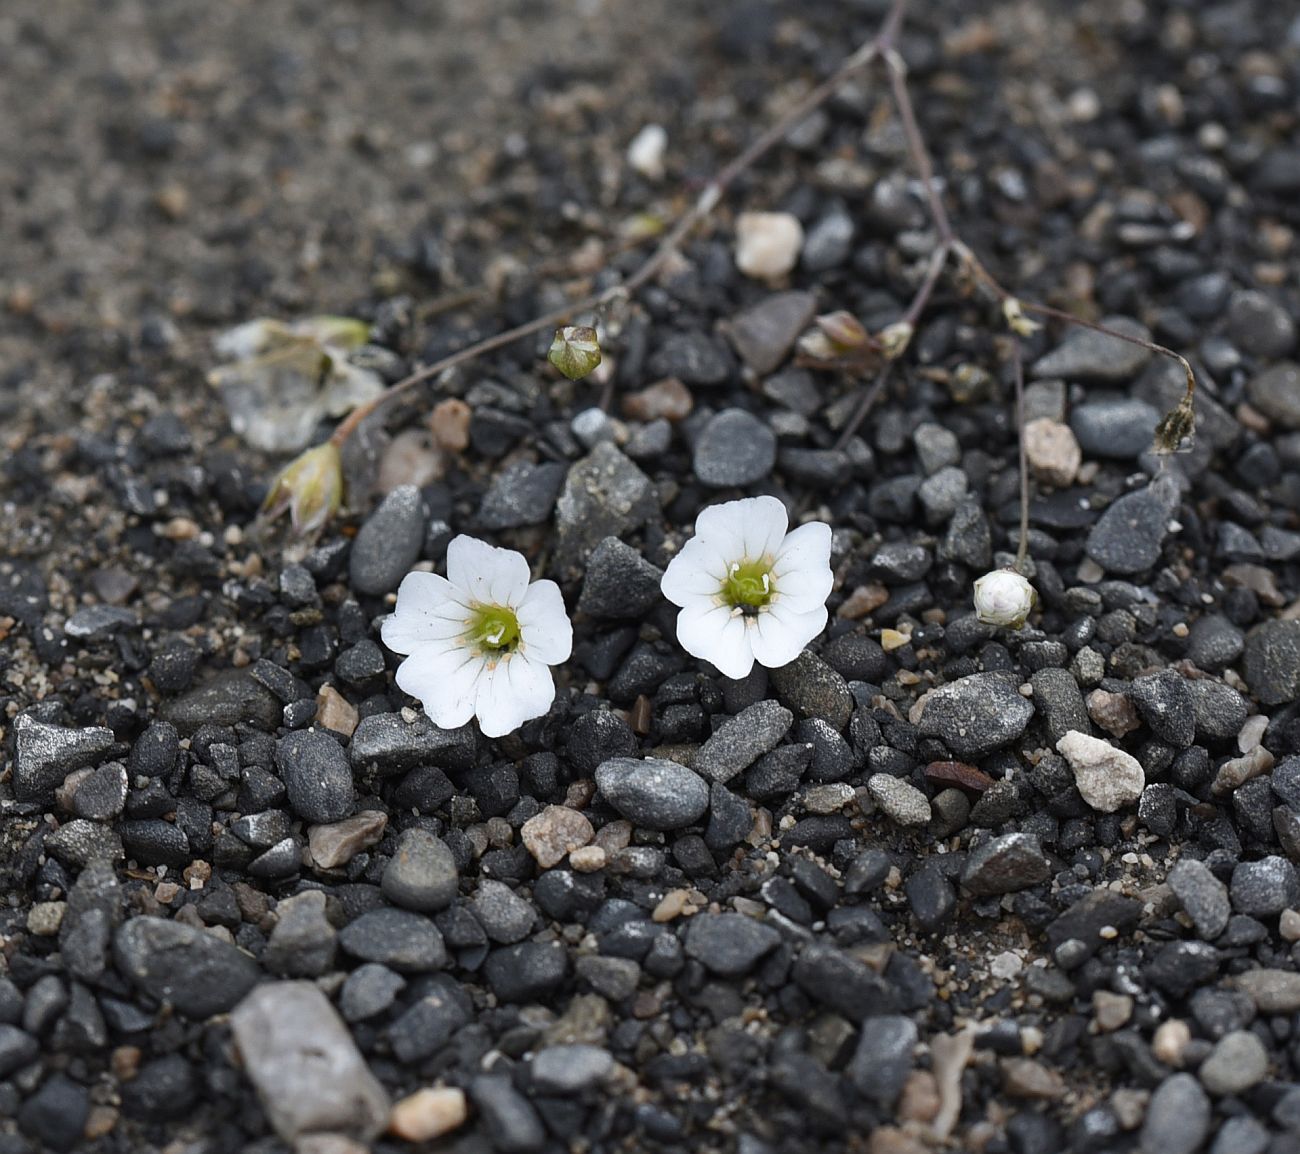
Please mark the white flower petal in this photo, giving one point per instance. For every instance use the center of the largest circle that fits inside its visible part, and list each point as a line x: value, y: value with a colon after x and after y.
x: 514, y: 691
x: 763, y: 522
x: 544, y: 626
x: 445, y: 681
x: 486, y: 574
x: 697, y: 571
x: 778, y: 637
x: 715, y: 633
x: 807, y: 548
x: 744, y: 529
x: 428, y: 609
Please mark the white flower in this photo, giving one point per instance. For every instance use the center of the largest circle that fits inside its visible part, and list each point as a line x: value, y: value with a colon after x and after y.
x: 1004, y: 597
x: 480, y: 640
x: 750, y: 591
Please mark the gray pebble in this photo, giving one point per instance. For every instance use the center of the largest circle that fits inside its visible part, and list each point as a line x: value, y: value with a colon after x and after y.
x: 653, y: 793
x: 389, y: 542
x: 522, y: 493
x: 735, y: 448
x: 45, y: 754
x: 1272, y: 662
x: 1178, y: 1117
x: 901, y: 801
x: 504, y: 915
x: 304, y: 1064
x: 403, y: 941
x: 1003, y: 865
x: 1264, y: 888
x: 1202, y: 896
x: 1128, y: 536
x: 729, y: 944
x: 1237, y: 1062
x: 421, y: 875
x: 1087, y: 355
x: 976, y: 714
x: 1276, y: 393
x: 619, y: 582
x: 741, y: 740
x: 763, y: 334
x: 883, y: 1059
x: 570, y: 1069
x: 1119, y: 428
x: 179, y: 965
x: 316, y: 775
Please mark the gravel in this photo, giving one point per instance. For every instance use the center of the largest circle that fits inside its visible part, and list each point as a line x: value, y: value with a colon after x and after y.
x: 675, y: 909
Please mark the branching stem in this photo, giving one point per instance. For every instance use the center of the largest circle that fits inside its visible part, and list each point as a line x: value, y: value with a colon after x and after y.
x: 880, y: 45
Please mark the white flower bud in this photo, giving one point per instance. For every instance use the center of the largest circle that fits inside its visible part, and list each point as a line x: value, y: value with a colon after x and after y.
x: 1004, y: 597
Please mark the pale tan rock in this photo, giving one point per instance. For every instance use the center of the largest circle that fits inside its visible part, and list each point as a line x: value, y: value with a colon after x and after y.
x: 1170, y: 1040
x: 336, y: 844
x: 767, y: 243
x: 1108, y: 778
x: 410, y: 459
x: 45, y: 918
x: 668, y: 399
x: 919, y: 1101
x: 1025, y: 1078
x: 1113, y: 712
x: 589, y: 859
x: 335, y: 712
x: 449, y: 423
x: 554, y: 832
x: 1052, y: 451
x: 428, y: 1114
x: 1111, y: 1011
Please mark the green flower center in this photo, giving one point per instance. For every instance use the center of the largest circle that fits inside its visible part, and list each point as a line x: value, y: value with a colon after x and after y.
x: 493, y: 628
x: 748, y: 586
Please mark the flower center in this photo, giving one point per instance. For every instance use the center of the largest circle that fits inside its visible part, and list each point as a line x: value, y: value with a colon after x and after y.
x: 748, y: 586
x: 494, y: 628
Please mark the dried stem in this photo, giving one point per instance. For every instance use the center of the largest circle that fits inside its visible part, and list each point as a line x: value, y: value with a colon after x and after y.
x: 708, y: 199
x: 1018, y: 367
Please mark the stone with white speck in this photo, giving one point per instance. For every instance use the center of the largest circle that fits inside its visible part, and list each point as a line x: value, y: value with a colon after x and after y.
x: 901, y: 801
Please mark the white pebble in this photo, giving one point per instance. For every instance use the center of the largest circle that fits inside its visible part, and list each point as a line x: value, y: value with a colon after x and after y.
x: 646, y: 152
x: 767, y: 243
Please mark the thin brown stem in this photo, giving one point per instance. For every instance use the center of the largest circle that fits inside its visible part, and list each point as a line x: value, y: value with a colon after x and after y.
x: 982, y: 274
x: 916, y: 149
x: 1018, y: 367
x: 705, y: 203
x: 868, y: 402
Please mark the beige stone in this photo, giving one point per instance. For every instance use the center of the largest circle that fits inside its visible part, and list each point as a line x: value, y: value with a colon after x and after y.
x: 428, y: 1114
x: 767, y: 243
x: 554, y: 832
x: 1052, y: 451
x: 334, y: 845
x: 335, y: 712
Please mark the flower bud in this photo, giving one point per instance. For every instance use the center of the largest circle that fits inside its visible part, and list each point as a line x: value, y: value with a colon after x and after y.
x: 1004, y: 597
x: 575, y: 351
x: 310, y: 487
x: 895, y: 338
x: 1016, y: 320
